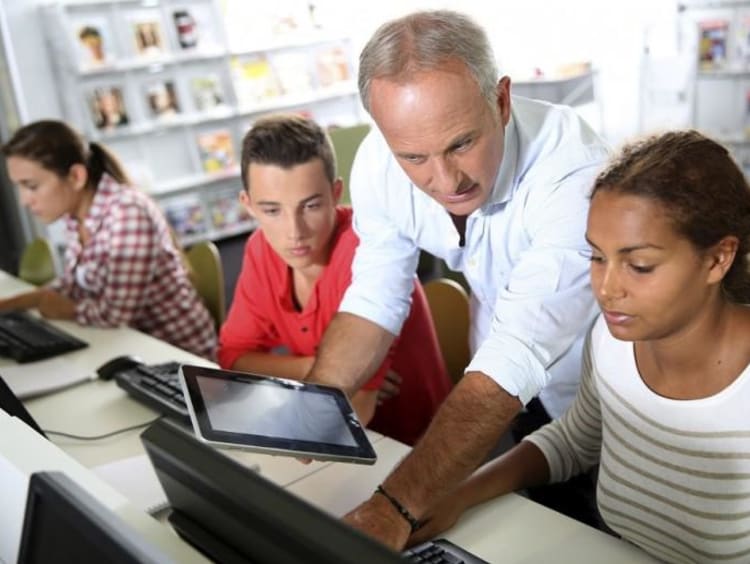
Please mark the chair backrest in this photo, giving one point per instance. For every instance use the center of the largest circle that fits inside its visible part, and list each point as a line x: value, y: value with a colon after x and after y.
x: 208, y: 278
x: 345, y: 142
x: 449, y: 305
x: 37, y: 264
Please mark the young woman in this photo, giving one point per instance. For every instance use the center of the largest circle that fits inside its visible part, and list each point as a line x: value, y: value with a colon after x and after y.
x: 663, y: 402
x: 121, y: 265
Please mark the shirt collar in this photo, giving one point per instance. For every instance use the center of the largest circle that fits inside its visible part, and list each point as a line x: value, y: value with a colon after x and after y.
x: 506, y: 179
x: 106, y: 188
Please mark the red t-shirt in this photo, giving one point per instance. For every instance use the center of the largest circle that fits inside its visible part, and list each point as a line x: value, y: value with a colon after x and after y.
x: 263, y: 317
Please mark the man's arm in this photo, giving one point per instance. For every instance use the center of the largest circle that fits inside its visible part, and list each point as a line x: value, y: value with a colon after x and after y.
x: 465, y: 428
x: 351, y: 351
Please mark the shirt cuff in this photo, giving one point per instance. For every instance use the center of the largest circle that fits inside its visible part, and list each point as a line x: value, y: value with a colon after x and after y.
x: 388, y: 319
x: 511, y: 365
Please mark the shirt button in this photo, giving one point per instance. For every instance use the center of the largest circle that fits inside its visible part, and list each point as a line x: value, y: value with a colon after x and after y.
x: 304, y: 329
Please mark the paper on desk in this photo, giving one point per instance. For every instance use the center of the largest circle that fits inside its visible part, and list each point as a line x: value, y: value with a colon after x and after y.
x: 136, y: 479
x: 44, y: 376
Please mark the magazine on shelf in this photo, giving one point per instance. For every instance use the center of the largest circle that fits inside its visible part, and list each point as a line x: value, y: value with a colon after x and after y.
x: 162, y: 99
x: 207, y: 92
x: 293, y: 72
x: 332, y: 66
x: 107, y: 107
x: 254, y: 80
x: 186, y: 28
x: 186, y: 215
x: 216, y: 150
x: 94, y: 42
x: 226, y: 211
x: 712, y: 43
x: 147, y: 33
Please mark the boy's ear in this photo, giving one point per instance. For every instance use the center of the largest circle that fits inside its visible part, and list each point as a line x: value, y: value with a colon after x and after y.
x: 722, y: 256
x: 78, y: 175
x: 338, y: 190
x: 245, y: 201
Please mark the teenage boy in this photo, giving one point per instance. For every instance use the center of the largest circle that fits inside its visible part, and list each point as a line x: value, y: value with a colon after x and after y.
x: 296, y: 268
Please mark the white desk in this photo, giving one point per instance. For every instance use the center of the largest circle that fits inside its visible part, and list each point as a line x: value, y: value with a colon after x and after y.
x: 510, y: 529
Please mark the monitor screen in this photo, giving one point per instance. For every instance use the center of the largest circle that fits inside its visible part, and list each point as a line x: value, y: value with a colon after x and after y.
x: 64, y: 523
x: 233, y: 514
x: 10, y: 403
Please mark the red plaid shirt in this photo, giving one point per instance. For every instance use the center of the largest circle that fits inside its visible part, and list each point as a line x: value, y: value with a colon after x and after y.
x: 130, y: 273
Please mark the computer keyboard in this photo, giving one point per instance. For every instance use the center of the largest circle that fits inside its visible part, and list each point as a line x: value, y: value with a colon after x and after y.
x: 440, y: 551
x: 158, y: 386
x: 27, y: 338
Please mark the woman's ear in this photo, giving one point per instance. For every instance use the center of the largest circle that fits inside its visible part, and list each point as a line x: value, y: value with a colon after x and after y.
x: 78, y: 175
x: 721, y: 257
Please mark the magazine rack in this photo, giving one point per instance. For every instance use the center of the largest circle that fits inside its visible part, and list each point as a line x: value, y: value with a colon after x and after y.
x: 717, y: 34
x: 171, y: 87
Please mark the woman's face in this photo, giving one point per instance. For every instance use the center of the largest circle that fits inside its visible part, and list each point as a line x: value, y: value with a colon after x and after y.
x: 46, y: 195
x: 649, y: 280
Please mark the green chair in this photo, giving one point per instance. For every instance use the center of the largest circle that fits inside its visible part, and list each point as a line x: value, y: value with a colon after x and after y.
x: 208, y: 278
x: 37, y: 264
x: 346, y: 141
x: 449, y: 306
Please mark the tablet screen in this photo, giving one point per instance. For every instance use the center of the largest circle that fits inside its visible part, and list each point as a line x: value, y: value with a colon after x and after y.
x: 273, y: 415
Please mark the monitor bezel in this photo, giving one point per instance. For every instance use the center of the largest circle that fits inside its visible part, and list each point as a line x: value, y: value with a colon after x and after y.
x: 218, y: 504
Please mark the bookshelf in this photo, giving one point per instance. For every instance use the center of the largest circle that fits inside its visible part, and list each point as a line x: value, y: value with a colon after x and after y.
x: 171, y: 86
x: 716, y: 33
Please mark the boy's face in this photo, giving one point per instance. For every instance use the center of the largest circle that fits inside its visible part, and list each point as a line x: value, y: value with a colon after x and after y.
x: 295, y: 208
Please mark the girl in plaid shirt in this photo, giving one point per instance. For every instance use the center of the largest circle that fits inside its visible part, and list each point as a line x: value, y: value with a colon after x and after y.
x: 121, y: 264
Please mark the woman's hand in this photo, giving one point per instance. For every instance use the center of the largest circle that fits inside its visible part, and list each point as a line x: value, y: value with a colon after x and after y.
x: 54, y: 305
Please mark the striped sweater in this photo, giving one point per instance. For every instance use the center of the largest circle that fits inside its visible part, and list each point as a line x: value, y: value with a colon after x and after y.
x: 674, y: 475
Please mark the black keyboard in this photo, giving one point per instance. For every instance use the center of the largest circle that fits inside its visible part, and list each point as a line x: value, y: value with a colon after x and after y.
x: 26, y: 338
x: 158, y: 386
x: 440, y: 551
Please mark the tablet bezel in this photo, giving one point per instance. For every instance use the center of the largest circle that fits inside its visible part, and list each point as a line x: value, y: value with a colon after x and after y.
x: 363, y: 453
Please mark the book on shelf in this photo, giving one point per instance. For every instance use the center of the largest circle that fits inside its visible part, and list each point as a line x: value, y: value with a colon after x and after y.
x: 216, y: 150
x: 254, y: 80
x: 186, y: 215
x: 293, y: 72
x: 332, y: 66
x: 712, y: 43
x: 162, y: 99
x: 207, y: 92
x: 225, y: 211
x: 148, y: 36
x: 94, y: 44
x: 107, y: 107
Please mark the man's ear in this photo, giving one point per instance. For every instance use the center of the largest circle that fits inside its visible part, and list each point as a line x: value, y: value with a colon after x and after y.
x: 721, y: 257
x: 338, y: 190
x: 245, y: 201
x: 78, y: 175
x: 503, y: 99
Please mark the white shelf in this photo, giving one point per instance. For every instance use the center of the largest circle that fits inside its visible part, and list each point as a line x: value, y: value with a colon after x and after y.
x: 347, y: 88
x: 218, y: 234
x: 193, y: 181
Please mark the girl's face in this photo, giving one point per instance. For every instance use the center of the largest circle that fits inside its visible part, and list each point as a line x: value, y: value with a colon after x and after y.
x: 47, y: 195
x: 650, y: 282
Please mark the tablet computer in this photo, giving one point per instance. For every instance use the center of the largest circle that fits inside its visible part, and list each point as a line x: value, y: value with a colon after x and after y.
x: 273, y: 415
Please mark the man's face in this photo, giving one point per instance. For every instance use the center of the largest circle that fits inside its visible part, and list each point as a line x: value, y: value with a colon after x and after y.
x: 445, y: 136
x: 295, y: 208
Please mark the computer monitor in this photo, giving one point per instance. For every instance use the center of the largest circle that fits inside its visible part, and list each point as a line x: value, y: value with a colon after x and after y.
x: 232, y: 514
x: 10, y: 403
x: 64, y: 523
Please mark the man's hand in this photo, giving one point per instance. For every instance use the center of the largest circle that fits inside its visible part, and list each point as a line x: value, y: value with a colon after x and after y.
x: 379, y: 519
x: 438, y: 518
x: 54, y: 305
x: 390, y: 388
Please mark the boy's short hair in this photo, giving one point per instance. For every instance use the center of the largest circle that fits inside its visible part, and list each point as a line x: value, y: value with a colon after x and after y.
x: 286, y: 140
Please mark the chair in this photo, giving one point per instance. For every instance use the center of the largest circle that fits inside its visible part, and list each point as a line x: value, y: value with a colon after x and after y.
x: 345, y: 142
x: 208, y: 278
x: 449, y: 305
x: 37, y: 265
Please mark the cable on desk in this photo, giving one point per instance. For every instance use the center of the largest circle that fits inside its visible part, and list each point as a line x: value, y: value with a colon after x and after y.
x: 103, y: 436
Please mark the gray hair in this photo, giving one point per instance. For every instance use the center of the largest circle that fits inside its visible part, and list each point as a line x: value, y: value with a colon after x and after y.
x: 423, y: 41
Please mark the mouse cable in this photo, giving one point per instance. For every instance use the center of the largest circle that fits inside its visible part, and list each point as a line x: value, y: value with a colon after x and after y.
x: 103, y: 436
